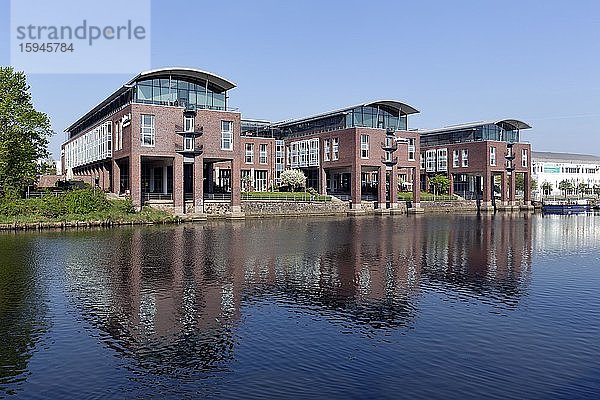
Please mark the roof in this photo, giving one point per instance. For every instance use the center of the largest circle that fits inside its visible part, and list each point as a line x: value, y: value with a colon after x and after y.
x: 175, y: 72
x: 550, y: 156
x: 401, y: 107
x: 507, y: 124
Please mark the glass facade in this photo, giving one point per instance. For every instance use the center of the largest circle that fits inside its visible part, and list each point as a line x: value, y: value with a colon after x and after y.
x: 471, y: 134
x: 178, y: 92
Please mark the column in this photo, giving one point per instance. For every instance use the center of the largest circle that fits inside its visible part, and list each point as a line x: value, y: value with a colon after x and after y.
x: 116, y: 177
x: 355, y: 189
x: 451, y: 187
x: 394, y: 187
x: 416, y: 188
x: 178, y: 184
x: 198, y: 184
x: 236, y: 195
x: 210, y: 177
x: 322, y: 181
x: 527, y: 188
x: 486, y: 189
x: 135, y: 183
x: 381, y: 192
x: 512, y: 187
x: 504, y: 188
x: 165, y: 182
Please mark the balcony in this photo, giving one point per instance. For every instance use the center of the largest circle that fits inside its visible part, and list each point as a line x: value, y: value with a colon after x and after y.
x: 196, y: 132
x: 393, y: 146
x: 389, y: 161
x: 509, y: 156
x: 198, y: 149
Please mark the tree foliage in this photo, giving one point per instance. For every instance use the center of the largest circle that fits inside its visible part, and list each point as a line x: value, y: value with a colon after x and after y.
x: 24, y: 134
x: 440, y: 184
x: 547, y: 188
x: 565, y: 186
x: 293, y: 178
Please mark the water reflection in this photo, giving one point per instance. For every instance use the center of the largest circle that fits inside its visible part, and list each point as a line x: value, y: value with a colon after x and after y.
x: 171, y: 297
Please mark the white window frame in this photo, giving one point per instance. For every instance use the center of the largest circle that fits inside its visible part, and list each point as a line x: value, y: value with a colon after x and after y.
x: 422, y: 161
x: 227, y: 135
x: 524, y: 158
x: 364, y: 147
x: 335, y: 149
x: 430, y: 160
x: 188, y: 123
x: 411, y: 149
x: 249, y: 154
x: 326, y: 149
x: 455, y: 158
x: 465, y: 157
x: 442, y: 160
x: 262, y: 153
x: 188, y: 142
x: 148, y: 131
x: 492, y: 156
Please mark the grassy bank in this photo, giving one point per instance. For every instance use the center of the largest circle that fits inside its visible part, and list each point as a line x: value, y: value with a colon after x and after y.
x: 77, y: 206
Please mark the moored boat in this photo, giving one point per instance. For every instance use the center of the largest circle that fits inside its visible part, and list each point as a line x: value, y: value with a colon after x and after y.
x: 565, y: 207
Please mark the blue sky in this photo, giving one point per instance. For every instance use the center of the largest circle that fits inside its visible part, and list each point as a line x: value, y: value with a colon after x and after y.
x: 455, y: 61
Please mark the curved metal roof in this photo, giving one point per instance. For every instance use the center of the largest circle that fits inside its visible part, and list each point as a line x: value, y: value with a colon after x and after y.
x: 403, y: 107
x: 506, y: 124
x: 514, y: 123
x: 192, y: 73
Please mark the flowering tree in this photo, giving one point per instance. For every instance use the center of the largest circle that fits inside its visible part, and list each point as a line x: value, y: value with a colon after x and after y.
x: 293, y: 178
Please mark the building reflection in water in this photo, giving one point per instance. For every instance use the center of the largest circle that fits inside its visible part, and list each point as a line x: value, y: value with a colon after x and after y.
x: 171, y: 297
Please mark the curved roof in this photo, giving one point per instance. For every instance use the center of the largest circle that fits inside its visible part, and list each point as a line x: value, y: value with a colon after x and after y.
x: 182, y: 72
x: 512, y: 123
x: 403, y: 107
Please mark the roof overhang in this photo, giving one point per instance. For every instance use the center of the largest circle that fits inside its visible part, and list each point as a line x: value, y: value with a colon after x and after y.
x: 402, y: 107
x: 511, y: 124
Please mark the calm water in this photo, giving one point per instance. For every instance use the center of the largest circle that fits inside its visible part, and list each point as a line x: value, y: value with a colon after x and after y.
x: 404, y: 307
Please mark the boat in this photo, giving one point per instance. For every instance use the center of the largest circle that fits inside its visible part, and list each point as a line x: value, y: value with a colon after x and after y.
x: 565, y: 207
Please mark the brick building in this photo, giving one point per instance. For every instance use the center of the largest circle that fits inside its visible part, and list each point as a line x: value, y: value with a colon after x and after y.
x: 482, y: 160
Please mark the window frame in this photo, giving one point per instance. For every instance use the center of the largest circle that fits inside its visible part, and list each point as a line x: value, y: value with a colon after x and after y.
x: 151, y: 133
x: 227, y: 135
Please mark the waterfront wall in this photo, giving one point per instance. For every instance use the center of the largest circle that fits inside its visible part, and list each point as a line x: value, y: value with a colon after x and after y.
x: 280, y: 208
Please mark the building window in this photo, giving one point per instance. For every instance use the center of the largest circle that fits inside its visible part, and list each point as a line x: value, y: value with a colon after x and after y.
x: 246, y: 178
x: 524, y: 158
x: 411, y: 149
x: 188, y: 142
x: 260, y: 181
x: 442, y: 160
x: 326, y: 149
x: 465, y: 157
x: 430, y: 159
x: 388, y: 156
x: 188, y: 123
x: 147, y: 130
x: 493, y: 156
x: 364, y: 146
x: 313, y: 152
x: 422, y: 161
x: 455, y: 159
x: 262, y: 158
x: 249, y: 153
x: 336, y: 148
x: 226, y: 135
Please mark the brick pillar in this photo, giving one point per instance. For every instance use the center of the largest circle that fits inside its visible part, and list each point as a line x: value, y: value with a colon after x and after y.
x: 210, y: 177
x: 322, y: 181
x: 355, y: 189
x: 198, y: 184
x: 512, y: 187
x: 394, y: 187
x: 451, y: 187
x: 487, y: 198
x: 416, y: 188
x: 178, y: 201
x: 381, y: 192
x: 116, y: 178
x: 236, y: 195
x: 135, y: 180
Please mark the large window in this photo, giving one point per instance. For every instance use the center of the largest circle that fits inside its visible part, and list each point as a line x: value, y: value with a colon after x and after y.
x: 260, y: 181
x: 465, y: 157
x: 364, y: 146
x: 226, y: 135
x: 326, y: 149
x: 249, y: 153
x: 304, y: 153
x: 262, y: 158
x: 455, y: 159
x: 430, y: 166
x: 411, y: 149
x: 147, y: 130
x: 524, y: 158
x: 422, y: 160
x: 313, y: 152
x: 336, y: 149
x: 176, y: 92
x: 188, y: 123
x: 493, y: 156
x: 188, y: 142
x: 442, y: 160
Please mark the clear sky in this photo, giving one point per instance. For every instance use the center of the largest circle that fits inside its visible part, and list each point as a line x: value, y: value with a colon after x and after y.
x: 455, y: 61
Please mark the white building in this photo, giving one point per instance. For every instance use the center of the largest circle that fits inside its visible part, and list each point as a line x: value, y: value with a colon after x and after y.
x: 553, y: 168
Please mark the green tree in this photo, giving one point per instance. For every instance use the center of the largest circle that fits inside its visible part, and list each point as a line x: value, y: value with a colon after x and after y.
x: 534, y: 184
x: 440, y: 184
x: 596, y: 189
x: 582, y: 188
x: 293, y: 178
x: 24, y: 134
x: 565, y: 186
x: 547, y: 188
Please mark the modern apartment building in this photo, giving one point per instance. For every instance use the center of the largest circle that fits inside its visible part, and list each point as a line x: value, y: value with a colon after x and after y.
x: 550, y: 169
x: 482, y: 160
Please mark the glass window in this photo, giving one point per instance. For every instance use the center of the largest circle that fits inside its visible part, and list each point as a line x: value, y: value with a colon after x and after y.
x: 524, y: 158
x: 188, y: 142
x: 465, y: 157
x: 147, y: 130
x: 263, y: 154
x: 364, y: 146
x: 336, y: 148
x: 455, y: 159
x: 249, y: 153
x: 411, y: 149
x: 188, y: 123
x: 442, y: 160
x: 326, y: 149
x: 493, y: 156
x: 226, y: 135
x: 430, y: 166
